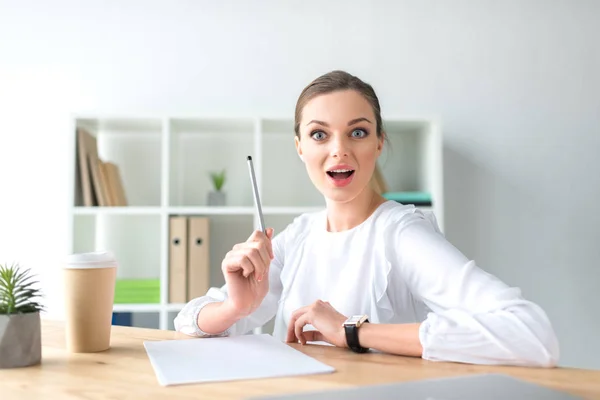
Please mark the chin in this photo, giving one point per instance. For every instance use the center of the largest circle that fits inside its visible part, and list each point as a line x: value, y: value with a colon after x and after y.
x: 337, y: 195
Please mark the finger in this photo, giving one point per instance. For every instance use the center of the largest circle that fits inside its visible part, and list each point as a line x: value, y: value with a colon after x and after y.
x: 253, y: 254
x: 315, y: 336
x: 245, y: 264
x: 270, y: 234
x: 299, y: 327
x: 230, y: 262
x: 259, y: 236
x: 291, y: 337
x: 264, y: 253
x: 256, y: 236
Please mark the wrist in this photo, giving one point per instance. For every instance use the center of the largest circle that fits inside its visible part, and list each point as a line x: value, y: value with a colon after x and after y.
x: 363, y: 335
x: 229, y: 311
x: 352, y: 329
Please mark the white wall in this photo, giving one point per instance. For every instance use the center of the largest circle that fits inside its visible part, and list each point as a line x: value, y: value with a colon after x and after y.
x: 515, y: 83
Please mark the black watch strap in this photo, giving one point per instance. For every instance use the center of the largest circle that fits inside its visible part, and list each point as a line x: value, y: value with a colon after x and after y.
x: 352, y: 338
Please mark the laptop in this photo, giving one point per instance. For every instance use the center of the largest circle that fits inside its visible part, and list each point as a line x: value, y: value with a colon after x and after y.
x: 470, y: 387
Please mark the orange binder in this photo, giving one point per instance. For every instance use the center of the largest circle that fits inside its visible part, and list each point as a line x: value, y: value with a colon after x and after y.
x: 178, y: 240
x: 198, y: 279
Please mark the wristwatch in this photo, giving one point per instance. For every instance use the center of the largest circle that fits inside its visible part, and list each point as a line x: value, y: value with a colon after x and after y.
x: 351, y: 326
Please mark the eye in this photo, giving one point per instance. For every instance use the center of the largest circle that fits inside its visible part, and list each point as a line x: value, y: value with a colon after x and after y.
x: 317, y: 135
x: 359, y: 133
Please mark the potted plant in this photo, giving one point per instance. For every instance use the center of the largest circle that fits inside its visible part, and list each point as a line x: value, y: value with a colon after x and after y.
x: 20, y: 328
x: 216, y: 197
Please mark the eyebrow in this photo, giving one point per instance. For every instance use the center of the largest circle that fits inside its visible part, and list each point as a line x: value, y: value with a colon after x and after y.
x: 352, y: 122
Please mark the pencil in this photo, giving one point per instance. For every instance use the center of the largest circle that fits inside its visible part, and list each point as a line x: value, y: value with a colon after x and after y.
x: 256, y: 196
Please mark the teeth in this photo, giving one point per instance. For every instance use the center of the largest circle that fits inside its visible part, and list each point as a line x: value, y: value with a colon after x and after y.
x: 340, y: 170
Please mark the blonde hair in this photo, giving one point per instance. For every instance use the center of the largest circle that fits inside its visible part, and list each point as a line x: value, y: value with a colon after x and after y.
x: 335, y: 81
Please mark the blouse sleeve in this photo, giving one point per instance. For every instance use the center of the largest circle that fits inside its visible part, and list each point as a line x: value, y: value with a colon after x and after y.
x: 186, y: 319
x: 475, y: 317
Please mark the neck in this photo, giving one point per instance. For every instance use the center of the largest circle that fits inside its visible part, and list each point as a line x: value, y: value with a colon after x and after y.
x: 342, y: 216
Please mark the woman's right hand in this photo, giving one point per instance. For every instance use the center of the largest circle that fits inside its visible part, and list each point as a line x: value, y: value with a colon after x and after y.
x: 246, y: 272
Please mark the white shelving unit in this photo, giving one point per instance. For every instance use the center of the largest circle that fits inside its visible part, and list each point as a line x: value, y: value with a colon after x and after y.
x: 164, y: 163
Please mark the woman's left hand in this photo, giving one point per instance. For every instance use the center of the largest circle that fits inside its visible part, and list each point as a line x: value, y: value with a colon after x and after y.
x: 324, y: 318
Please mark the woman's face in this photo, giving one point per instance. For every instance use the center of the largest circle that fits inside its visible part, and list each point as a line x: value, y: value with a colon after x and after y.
x: 339, y: 144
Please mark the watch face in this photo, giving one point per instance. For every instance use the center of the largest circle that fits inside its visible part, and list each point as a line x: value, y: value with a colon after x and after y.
x: 356, y: 320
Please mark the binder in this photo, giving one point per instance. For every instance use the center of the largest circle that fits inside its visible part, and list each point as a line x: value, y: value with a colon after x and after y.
x: 178, y: 240
x: 198, y: 257
x: 106, y: 184
x: 116, y: 183
x: 95, y: 169
x: 83, y: 169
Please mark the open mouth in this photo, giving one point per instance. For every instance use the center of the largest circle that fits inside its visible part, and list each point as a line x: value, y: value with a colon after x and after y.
x: 341, y: 174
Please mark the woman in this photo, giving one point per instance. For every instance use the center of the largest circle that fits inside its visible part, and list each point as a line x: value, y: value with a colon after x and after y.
x: 366, y: 273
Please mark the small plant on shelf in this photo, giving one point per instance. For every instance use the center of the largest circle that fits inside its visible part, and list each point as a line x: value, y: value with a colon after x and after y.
x: 216, y: 197
x: 218, y: 179
x: 20, y: 328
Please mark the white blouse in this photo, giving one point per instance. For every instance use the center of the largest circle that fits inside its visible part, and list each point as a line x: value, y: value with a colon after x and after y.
x: 396, y: 267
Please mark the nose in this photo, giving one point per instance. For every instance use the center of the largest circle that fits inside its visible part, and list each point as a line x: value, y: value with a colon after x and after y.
x: 339, y: 147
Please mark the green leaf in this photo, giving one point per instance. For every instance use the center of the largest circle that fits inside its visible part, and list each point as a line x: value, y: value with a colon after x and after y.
x: 18, y: 293
x: 218, y: 179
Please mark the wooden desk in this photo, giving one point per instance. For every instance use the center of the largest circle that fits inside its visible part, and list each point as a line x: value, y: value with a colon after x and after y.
x: 124, y: 372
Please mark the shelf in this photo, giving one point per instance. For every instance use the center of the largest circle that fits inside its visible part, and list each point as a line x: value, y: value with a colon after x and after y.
x: 115, y: 125
x: 134, y: 147
x: 290, y: 210
x: 182, y: 210
x: 136, y: 307
x: 294, y: 186
x: 210, y: 126
x: 117, y: 210
x: 153, y: 307
x: 412, y: 159
x: 239, y: 210
x: 174, y: 307
x: 281, y: 126
x: 199, y: 147
x: 165, y: 163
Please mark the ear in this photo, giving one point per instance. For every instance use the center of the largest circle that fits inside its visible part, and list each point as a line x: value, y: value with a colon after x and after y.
x: 298, y: 147
x: 380, y: 142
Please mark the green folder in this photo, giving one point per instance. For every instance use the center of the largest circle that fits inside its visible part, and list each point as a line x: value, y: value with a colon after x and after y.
x: 416, y: 198
x: 137, y: 291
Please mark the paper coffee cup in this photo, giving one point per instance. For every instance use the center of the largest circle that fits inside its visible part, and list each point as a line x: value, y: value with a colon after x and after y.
x: 89, y: 296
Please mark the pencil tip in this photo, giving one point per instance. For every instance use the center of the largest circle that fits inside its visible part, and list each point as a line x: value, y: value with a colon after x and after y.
x: 249, y: 158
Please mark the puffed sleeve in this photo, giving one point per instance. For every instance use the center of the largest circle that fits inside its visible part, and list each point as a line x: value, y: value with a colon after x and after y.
x: 186, y: 319
x: 475, y: 317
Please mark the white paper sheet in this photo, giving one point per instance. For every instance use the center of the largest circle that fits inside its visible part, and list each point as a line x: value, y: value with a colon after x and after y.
x: 228, y: 358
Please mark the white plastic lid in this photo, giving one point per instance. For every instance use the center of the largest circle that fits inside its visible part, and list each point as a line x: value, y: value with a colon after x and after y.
x: 97, y: 259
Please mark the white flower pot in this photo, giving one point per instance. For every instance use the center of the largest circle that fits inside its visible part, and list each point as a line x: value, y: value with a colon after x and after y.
x: 20, y: 340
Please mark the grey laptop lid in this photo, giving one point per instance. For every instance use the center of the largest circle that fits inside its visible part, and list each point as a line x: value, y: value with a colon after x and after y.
x: 470, y: 387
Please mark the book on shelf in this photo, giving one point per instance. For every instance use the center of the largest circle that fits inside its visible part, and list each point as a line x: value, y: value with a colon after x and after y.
x: 100, y: 182
x: 189, y: 257
x: 415, y: 198
x: 122, y: 318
